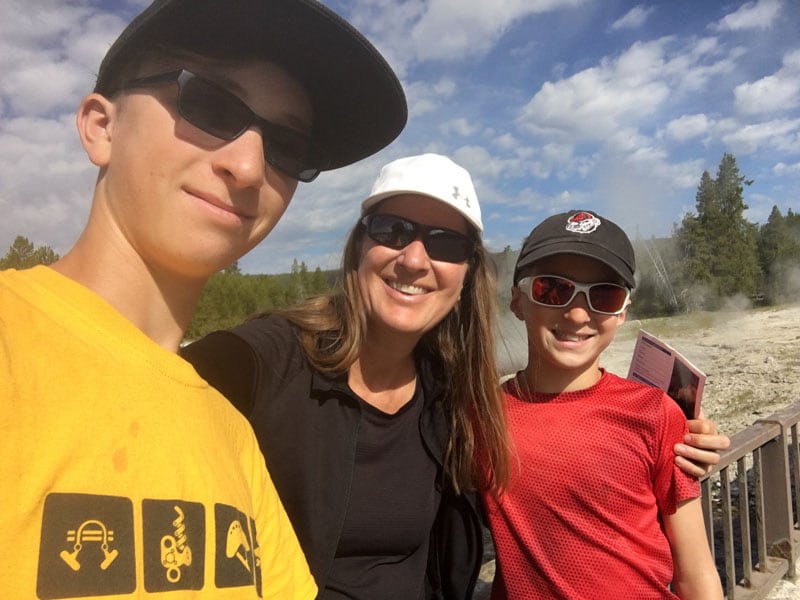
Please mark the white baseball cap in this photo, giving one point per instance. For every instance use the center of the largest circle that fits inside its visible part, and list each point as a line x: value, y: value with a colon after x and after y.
x: 430, y: 175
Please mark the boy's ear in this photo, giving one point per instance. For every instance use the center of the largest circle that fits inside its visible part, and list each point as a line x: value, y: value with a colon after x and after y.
x: 623, y: 314
x: 516, y: 300
x: 94, y: 120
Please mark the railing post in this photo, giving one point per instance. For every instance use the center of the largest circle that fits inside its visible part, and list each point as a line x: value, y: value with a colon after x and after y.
x: 778, y: 516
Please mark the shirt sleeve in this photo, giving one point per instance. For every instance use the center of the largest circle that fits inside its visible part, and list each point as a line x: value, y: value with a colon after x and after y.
x: 672, y: 486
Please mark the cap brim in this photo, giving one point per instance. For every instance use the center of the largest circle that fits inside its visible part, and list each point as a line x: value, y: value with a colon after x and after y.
x: 359, y: 105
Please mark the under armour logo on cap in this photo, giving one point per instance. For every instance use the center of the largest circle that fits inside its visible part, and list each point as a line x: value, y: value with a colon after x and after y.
x: 457, y: 195
x: 430, y: 175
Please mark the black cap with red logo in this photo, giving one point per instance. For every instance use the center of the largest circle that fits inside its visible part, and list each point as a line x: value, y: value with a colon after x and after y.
x: 583, y: 233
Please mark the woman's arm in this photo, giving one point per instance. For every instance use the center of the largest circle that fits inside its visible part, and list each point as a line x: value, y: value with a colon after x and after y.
x: 698, y: 452
x: 694, y: 573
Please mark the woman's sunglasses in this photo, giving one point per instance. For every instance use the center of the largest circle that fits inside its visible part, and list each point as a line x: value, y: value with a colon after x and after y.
x: 217, y: 111
x: 441, y: 244
x: 555, y: 291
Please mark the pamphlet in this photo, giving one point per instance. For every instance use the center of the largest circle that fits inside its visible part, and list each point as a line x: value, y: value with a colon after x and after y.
x: 658, y: 364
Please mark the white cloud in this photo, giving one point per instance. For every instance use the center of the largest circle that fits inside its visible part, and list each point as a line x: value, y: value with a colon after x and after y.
x: 479, y: 162
x: 782, y: 169
x: 692, y: 68
x: 37, y: 23
x: 598, y: 101
x: 779, y: 134
x: 767, y: 95
x: 47, y: 181
x: 751, y: 15
x: 456, y: 28
x: 634, y: 18
x: 687, y: 127
x: 619, y: 102
x: 49, y: 54
x: 460, y: 127
x: 778, y: 92
x: 424, y: 97
x: 506, y: 141
x: 44, y: 87
x: 443, y: 30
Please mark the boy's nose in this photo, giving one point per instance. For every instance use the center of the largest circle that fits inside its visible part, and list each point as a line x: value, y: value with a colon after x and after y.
x: 243, y: 158
x: 579, y: 309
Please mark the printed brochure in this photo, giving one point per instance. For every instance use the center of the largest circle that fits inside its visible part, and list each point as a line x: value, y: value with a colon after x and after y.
x: 658, y: 364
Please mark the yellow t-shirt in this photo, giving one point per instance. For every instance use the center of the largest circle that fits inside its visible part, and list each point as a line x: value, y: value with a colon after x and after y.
x: 123, y: 472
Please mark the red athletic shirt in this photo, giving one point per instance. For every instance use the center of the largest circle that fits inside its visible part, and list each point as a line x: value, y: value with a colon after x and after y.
x: 580, y: 518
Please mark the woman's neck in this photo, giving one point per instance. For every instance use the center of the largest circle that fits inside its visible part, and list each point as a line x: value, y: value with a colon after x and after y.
x: 384, y: 376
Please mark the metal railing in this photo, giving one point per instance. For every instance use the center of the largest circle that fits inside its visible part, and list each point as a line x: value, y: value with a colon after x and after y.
x: 751, y: 506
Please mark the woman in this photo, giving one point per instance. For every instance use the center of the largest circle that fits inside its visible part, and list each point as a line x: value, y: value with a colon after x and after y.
x: 364, y: 399
x: 369, y: 403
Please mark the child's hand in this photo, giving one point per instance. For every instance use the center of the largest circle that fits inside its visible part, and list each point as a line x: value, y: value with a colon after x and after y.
x: 698, y: 454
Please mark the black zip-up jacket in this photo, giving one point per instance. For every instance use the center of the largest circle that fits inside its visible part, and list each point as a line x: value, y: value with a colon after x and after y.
x: 307, y: 424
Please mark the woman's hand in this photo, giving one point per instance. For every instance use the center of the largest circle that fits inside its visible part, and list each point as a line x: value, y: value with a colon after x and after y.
x: 698, y: 452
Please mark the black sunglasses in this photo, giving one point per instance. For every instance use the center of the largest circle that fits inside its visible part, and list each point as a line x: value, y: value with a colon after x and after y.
x: 441, y: 244
x: 217, y: 111
x: 556, y: 291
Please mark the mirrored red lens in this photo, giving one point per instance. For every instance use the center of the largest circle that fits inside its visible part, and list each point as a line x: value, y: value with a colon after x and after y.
x: 604, y: 297
x: 552, y: 291
x: 607, y: 298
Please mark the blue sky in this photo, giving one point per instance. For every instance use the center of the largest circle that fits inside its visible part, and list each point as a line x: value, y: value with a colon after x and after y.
x: 610, y: 105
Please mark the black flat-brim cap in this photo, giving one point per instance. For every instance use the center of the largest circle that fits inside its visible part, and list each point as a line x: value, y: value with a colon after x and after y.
x: 358, y: 102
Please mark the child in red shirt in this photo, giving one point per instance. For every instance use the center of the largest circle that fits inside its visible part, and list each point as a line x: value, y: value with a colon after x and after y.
x: 597, y: 507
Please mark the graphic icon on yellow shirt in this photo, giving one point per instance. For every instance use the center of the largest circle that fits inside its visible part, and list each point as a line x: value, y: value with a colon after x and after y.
x: 99, y: 556
x: 91, y: 530
x: 234, y: 560
x: 175, y: 551
x: 173, y: 544
x: 237, y: 539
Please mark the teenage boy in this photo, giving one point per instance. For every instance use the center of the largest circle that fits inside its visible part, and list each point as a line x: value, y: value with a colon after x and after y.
x: 123, y: 471
x: 597, y: 508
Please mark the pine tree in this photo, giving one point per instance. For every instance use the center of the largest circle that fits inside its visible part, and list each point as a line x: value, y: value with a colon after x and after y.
x: 779, y: 255
x: 719, y: 246
x: 23, y: 255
